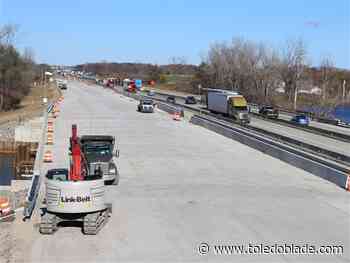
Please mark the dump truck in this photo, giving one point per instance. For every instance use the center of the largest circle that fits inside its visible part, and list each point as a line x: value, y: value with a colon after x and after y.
x: 229, y: 103
x: 74, y: 195
x: 100, y: 153
x: 62, y: 84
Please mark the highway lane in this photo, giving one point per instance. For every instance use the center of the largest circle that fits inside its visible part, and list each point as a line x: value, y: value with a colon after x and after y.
x: 301, y: 135
x: 310, y: 138
x: 320, y: 125
x: 182, y: 185
x: 284, y: 116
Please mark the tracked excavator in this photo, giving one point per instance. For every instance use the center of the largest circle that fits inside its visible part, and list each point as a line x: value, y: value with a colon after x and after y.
x: 75, y: 195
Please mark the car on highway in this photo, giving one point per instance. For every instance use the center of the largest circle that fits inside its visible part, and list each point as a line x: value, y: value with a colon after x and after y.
x: 171, y: 99
x: 268, y: 112
x: 301, y: 120
x: 190, y: 100
x: 145, y: 105
x: 62, y: 84
x: 151, y: 93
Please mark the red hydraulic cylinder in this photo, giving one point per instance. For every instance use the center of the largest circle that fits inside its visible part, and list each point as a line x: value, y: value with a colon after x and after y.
x: 76, y: 172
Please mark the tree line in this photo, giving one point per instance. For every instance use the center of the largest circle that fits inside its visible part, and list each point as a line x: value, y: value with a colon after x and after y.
x: 17, y: 71
x: 257, y: 70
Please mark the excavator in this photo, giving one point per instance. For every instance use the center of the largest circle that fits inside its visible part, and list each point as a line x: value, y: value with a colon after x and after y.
x: 75, y: 195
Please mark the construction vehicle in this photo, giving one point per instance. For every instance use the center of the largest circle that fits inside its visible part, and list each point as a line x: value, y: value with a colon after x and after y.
x: 228, y: 103
x: 145, y: 105
x: 75, y: 195
x: 61, y: 84
x: 99, y: 153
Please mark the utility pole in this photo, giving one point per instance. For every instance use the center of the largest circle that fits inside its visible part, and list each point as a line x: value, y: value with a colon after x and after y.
x: 344, y: 93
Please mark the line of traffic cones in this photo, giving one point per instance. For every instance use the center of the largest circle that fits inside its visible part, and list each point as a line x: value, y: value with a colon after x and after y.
x: 48, y: 155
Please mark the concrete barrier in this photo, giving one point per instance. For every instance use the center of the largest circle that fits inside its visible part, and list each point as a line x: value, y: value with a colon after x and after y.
x: 302, y: 160
x: 35, y: 183
x: 170, y: 109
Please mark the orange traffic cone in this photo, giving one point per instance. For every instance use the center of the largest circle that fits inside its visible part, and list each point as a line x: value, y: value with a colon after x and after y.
x: 49, y: 139
x: 48, y: 157
x: 5, y: 205
x: 49, y: 126
x: 176, y: 116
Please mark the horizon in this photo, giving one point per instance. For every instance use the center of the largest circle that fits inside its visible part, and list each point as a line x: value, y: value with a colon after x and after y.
x: 79, y: 32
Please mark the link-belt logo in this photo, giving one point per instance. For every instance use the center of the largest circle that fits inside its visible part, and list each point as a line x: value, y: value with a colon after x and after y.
x: 77, y: 199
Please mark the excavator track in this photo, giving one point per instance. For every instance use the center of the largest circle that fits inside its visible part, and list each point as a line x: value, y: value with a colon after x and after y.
x: 48, y: 224
x: 94, y: 222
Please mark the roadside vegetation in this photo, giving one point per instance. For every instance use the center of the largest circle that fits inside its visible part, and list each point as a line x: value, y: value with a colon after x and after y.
x: 21, y: 80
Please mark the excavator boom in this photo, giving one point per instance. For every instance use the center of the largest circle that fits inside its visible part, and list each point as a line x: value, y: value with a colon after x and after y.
x: 78, y: 167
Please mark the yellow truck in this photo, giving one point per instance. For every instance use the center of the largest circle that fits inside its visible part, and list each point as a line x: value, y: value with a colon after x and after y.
x: 228, y: 103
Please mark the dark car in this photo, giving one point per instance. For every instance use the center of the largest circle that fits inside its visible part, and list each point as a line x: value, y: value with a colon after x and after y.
x: 171, y: 99
x: 301, y: 120
x: 269, y: 112
x: 190, y: 100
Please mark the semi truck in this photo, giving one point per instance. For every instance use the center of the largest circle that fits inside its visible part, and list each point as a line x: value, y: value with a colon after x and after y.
x: 229, y: 103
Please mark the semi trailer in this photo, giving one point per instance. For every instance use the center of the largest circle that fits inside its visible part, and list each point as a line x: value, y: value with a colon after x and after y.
x: 229, y: 103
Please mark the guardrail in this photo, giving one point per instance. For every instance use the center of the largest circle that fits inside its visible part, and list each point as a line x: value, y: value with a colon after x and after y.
x: 35, y: 183
x: 337, y: 157
x: 327, y: 133
x: 312, y: 129
x: 335, y: 122
x: 310, y: 163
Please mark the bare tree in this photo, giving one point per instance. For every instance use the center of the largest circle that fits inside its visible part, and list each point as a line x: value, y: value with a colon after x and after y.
x: 180, y: 60
x: 327, y: 70
x: 292, y: 68
x: 16, y: 71
x: 7, y: 34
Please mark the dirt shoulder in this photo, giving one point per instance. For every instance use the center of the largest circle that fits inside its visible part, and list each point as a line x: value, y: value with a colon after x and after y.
x: 31, y: 106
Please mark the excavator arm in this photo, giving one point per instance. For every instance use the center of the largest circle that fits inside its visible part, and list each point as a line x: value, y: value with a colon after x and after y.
x: 78, y: 167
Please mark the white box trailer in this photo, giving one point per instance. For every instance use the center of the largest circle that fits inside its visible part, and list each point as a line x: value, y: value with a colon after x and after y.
x: 228, y: 103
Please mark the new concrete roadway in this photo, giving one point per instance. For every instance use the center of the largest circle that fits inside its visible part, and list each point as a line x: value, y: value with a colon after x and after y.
x: 182, y: 185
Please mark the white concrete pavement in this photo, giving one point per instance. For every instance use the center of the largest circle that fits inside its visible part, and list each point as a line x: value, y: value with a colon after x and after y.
x: 182, y: 185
